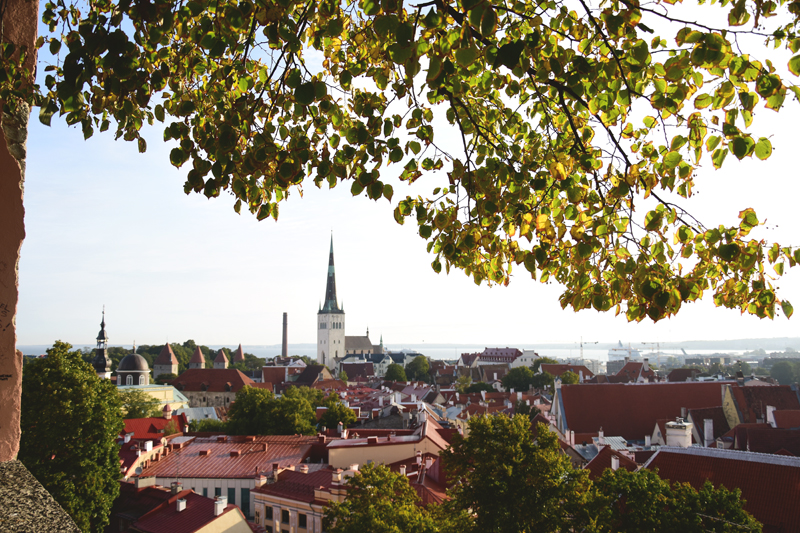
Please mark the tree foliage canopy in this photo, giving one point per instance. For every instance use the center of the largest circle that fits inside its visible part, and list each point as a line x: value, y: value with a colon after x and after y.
x: 70, y: 423
x: 138, y: 404
x: 579, y: 127
x: 511, y: 484
x: 395, y: 372
x: 259, y: 412
x: 418, y: 369
x: 519, y: 379
x: 380, y: 501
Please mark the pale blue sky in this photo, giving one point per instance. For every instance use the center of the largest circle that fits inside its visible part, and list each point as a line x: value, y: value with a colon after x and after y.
x: 107, y: 225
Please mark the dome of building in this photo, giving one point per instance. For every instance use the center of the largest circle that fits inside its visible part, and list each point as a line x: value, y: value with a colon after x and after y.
x: 133, y: 363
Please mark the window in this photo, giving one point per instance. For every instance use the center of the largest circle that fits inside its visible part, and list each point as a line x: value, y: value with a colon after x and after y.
x: 285, y: 516
x: 245, y: 503
x: 141, y: 380
x: 129, y: 380
x: 232, y: 496
x: 301, y: 520
x: 258, y: 518
x: 205, y: 492
x: 217, y: 491
x: 267, y: 513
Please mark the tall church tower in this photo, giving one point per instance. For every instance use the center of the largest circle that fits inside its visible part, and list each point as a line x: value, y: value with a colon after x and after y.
x: 101, y: 361
x: 330, y: 322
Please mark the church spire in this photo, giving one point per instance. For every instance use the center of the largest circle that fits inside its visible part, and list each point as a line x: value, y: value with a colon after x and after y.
x: 331, y: 305
x: 101, y: 361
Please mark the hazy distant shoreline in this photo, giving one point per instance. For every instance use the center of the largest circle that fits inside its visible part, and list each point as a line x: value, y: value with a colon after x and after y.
x: 561, y: 350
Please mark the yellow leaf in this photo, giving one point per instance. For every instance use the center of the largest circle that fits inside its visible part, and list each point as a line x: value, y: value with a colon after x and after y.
x: 541, y: 222
x: 557, y: 171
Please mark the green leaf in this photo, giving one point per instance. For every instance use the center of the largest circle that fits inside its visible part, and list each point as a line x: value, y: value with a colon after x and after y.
x: 703, y: 100
x: 787, y: 308
x: 488, y: 22
x: 742, y: 146
x: 763, y: 148
x: 178, y: 157
x: 719, y: 156
x: 509, y: 54
x: 305, y: 94
x: 55, y: 46
x: 388, y: 192
x: 794, y: 65
x: 729, y: 252
x: 466, y: 56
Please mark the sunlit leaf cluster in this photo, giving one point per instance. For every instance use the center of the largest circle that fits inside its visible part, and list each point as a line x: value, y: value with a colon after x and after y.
x: 579, y: 128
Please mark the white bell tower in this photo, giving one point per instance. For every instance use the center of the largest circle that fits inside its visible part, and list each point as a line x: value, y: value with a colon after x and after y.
x: 330, y: 323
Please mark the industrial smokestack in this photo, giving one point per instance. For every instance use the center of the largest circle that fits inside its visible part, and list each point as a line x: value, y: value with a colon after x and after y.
x: 285, y: 348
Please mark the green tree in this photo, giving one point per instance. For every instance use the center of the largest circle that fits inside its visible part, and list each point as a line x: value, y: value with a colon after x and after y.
x: 337, y: 412
x: 554, y: 164
x: 418, y: 369
x: 518, y: 378
x: 251, y: 413
x: 395, y: 372
x: 522, y: 408
x: 378, y: 501
x: 512, y: 484
x: 165, y: 379
x: 478, y: 387
x: 343, y: 375
x: 70, y: 423
x: 570, y: 378
x: 641, y: 501
x: 210, y: 425
x: 462, y: 383
x: 785, y: 372
x: 539, y: 361
x: 543, y: 380
x: 138, y: 404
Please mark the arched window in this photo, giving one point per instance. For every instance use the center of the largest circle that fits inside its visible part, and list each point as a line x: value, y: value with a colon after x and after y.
x: 129, y: 380
x: 141, y: 380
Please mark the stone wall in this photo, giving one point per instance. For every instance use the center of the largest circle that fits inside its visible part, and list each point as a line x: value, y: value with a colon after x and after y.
x: 19, y: 27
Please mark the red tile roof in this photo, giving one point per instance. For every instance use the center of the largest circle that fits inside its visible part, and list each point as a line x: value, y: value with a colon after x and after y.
x: 134, y: 502
x: 635, y: 370
x: 752, y: 402
x: 209, y: 458
x: 152, y: 428
x: 166, y: 357
x: 212, y: 380
x: 716, y: 414
x: 631, y: 410
x: 602, y: 461
x: 354, y: 370
x: 787, y: 419
x: 166, y: 518
x: 274, y: 374
x: 769, y: 440
x: 198, y: 357
x: 682, y: 374
x: 238, y: 355
x: 299, y: 486
x: 558, y: 369
x: 770, y: 484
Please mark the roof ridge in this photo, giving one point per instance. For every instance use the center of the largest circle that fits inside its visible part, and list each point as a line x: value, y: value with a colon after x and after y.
x: 738, y: 455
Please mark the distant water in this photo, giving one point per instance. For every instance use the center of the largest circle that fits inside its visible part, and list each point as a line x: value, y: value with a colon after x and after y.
x: 435, y: 351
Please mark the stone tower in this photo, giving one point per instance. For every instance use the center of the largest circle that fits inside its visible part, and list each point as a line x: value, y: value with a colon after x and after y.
x: 221, y: 361
x: 166, y: 363
x: 101, y: 361
x: 330, y: 322
x: 197, y: 360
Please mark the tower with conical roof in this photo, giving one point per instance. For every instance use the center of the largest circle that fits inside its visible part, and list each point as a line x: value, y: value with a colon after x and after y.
x: 101, y: 361
x: 197, y: 360
x: 166, y: 363
x: 330, y: 322
x: 221, y: 360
